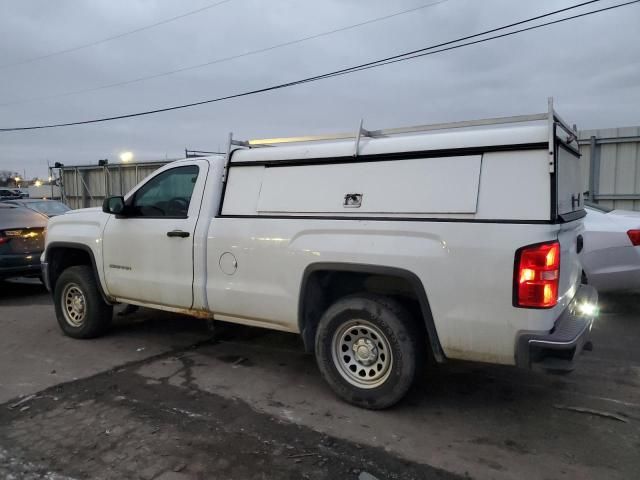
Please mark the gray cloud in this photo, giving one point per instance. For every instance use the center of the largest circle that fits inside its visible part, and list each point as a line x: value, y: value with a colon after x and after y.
x: 590, y: 65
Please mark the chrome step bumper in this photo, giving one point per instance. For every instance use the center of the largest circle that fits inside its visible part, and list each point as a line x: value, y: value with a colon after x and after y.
x: 559, y: 348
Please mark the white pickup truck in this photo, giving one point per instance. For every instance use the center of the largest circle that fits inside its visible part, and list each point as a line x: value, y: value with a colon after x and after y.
x: 380, y: 248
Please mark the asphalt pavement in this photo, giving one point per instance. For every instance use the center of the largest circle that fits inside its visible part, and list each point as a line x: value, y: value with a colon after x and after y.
x: 161, y: 397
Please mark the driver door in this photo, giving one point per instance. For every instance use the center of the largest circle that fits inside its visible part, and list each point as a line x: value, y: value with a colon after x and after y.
x: 148, y: 252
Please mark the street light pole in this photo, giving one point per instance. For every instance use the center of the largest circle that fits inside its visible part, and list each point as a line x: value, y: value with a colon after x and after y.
x: 51, y: 182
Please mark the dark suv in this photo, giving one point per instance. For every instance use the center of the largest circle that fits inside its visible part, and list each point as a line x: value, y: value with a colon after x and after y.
x: 21, y: 241
x: 6, y: 194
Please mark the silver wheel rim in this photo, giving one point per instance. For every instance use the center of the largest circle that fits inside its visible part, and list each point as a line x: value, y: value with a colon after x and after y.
x: 74, y: 305
x: 362, y: 354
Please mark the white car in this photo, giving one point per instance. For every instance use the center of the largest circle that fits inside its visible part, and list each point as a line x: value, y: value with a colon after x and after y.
x: 611, y: 255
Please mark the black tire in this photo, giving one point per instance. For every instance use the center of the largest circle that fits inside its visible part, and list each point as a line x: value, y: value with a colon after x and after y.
x: 97, y: 314
x: 368, y: 314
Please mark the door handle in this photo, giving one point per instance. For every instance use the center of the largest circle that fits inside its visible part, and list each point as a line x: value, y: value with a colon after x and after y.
x: 178, y: 233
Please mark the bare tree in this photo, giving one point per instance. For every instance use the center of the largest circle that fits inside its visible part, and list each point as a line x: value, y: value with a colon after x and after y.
x: 7, y: 178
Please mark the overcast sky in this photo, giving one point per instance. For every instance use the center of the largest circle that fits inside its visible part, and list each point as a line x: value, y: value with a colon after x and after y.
x: 591, y: 66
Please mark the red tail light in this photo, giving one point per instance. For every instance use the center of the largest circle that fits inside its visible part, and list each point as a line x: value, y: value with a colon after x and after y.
x: 634, y: 236
x: 536, y: 276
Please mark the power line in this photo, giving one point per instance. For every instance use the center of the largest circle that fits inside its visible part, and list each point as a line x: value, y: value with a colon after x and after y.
x: 416, y: 54
x: 114, y: 37
x: 431, y: 50
x: 344, y: 71
x: 224, y: 59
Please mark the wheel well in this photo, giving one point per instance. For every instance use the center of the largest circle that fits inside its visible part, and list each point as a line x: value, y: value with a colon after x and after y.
x: 61, y: 258
x: 321, y: 288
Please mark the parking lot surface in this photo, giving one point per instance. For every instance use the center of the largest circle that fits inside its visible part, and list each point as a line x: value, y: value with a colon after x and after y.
x: 159, y: 397
x: 34, y: 355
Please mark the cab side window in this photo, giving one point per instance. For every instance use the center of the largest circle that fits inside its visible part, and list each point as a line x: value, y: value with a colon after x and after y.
x: 166, y: 195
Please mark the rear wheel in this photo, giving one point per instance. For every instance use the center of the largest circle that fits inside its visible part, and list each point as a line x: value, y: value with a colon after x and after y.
x: 80, y: 309
x: 369, y: 349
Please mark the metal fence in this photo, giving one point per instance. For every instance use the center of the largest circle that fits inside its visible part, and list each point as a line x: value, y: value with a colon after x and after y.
x: 88, y: 185
x: 611, y: 166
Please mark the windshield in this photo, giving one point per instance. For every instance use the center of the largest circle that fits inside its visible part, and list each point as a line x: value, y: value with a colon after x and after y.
x: 599, y: 208
x: 49, y: 208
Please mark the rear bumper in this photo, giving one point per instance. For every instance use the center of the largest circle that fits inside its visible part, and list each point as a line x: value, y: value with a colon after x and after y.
x: 613, y: 269
x: 20, y: 265
x: 559, y: 348
x: 616, y: 281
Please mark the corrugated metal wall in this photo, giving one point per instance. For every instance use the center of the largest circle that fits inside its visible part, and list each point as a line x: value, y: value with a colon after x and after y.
x: 87, y: 186
x: 611, y: 166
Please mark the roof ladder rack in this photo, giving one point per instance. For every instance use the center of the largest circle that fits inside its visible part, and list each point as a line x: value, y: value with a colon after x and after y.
x: 553, y: 120
x: 549, y: 116
x: 263, y: 142
x: 362, y: 132
x: 230, y: 144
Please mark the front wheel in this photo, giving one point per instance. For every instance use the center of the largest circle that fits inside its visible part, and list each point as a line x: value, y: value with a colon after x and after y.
x: 369, y: 349
x: 80, y: 309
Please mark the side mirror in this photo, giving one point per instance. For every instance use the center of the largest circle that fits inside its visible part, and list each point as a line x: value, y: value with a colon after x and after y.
x: 113, y: 205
